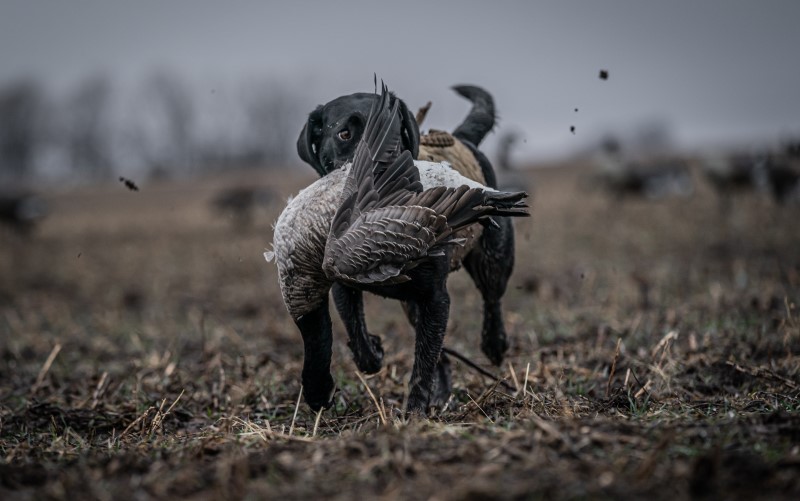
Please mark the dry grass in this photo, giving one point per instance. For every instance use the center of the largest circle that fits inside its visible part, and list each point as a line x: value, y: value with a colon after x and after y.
x: 145, y: 352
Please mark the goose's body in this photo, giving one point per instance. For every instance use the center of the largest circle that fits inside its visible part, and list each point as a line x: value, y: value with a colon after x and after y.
x: 389, y: 225
x: 301, y: 233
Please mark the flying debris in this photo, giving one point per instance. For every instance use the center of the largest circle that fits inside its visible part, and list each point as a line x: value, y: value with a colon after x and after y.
x: 128, y: 183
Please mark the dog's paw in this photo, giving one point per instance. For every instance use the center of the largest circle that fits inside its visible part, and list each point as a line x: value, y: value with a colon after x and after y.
x: 319, y: 394
x: 419, y: 399
x: 368, y: 356
x: 442, y: 383
x: 416, y: 409
x: 494, y: 347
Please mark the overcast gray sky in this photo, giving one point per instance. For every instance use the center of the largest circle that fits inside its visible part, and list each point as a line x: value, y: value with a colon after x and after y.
x: 715, y: 70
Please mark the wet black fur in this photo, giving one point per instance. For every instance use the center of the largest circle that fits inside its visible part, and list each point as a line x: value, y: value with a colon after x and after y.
x: 319, y: 144
x: 425, y: 297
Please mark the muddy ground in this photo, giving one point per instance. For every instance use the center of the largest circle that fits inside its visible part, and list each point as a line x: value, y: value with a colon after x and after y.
x: 145, y: 353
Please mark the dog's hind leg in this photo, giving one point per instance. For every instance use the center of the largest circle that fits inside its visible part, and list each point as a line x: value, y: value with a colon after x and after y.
x: 429, y: 376
x: 366, y: 348
x: 490, y: 264
x: 442, y: 376
x: 442, y: 382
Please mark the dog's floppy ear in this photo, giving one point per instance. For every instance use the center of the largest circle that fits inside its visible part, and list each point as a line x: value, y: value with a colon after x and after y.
x: 308, y: 141
x: 410, y: 130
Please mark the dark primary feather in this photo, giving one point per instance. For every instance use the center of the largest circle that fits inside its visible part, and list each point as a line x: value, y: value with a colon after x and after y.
x: 377, y: 162
x: 386, y: 224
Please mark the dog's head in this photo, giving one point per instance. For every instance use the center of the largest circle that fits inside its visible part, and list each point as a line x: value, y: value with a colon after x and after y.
x: 329, y: 138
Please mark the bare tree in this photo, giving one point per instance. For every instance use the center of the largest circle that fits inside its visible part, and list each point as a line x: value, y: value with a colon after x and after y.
x: 21, y: 128
x: 87, y: 128
x: 270, y: 109
x: 164, y: 134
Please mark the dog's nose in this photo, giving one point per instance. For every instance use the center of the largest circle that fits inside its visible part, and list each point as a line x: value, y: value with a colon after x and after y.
x: 327, y: 163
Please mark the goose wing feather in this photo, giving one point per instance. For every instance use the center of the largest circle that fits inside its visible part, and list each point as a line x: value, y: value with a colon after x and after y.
x: 382, y: 243
x: 386, y: 223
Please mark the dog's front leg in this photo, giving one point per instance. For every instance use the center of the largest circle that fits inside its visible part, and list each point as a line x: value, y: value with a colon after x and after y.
x: 431, y: 326
x: 318, y: 386
x: 366, y: 348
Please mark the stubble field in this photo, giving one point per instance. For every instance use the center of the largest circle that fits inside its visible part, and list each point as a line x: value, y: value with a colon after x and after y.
x: 145, y: 352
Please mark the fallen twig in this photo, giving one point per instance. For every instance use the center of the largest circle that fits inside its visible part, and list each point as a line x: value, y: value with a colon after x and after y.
x: 513, y: 376
x: 265, y: 433
x: 642, y: 387
x: 478, y: 368
x: 316, y: 423
x: 761, y: 372
x: 375, y: 400
x: 479, y: 408
x: 135, y: 422
x: 296, y: 408
x: 525, y: 383
x: 613, y: 368
x: 46, y: 367
x: 664, y: 345
x: 158, y: 419
x: 100, y: 389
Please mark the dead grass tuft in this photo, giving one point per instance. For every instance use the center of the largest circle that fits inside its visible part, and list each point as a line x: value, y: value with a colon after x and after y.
x: 655, y: 355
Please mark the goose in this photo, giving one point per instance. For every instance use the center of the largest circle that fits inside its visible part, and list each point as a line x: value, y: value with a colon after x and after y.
x: 781, y: 177
x: 386, y: 224
x: 22, y: 211
x: 652, y: 179
x: 732, y: 174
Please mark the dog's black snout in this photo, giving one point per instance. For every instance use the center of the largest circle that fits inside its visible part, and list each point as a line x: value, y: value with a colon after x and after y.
x: 326, y: 155
x: 327, y: 163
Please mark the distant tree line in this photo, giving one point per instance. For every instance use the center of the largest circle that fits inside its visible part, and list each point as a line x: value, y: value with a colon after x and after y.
x: 165, y: 126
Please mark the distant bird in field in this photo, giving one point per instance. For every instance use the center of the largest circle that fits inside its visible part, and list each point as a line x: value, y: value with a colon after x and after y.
x: 782, y: 178
x: 239, y: 203
x: 730, y: 175
x: 651, y: 179
x: 22, y: 211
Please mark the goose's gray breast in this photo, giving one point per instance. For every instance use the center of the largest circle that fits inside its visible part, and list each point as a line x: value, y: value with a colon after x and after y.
x: 299, y: 243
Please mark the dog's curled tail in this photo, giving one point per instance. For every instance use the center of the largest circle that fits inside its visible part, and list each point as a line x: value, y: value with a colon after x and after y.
x: 481, y: 117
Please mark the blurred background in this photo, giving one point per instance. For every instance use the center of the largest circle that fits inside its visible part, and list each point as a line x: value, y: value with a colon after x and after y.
x: 92, y: 90
x: 146, y: 148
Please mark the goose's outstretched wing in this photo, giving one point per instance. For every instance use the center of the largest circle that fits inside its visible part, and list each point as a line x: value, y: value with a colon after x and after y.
x: 381, y: 174
x: 386, y: 224
x: 384, y: 242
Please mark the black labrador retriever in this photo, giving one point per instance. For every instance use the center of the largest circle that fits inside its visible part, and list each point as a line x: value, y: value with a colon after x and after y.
x: 328, y: 141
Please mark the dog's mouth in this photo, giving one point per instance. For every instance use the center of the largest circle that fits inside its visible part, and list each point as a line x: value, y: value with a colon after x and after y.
x: 332, y: 165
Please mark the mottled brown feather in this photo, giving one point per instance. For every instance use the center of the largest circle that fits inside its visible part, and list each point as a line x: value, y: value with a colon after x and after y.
x: 377, y: 233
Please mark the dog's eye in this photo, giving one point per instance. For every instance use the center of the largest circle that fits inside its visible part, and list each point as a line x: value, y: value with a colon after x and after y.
x: 344, y: 135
